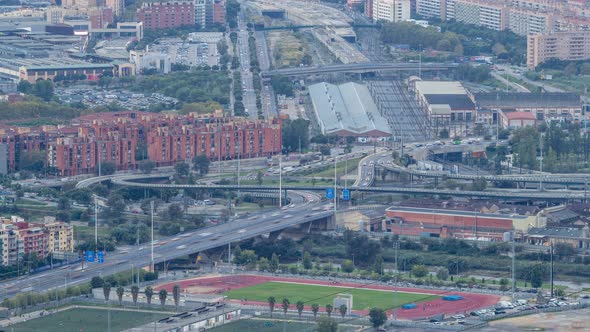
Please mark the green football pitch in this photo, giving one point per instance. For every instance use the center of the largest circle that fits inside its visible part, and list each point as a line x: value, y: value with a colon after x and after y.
x: 322, y: 295
x: 87, y: 320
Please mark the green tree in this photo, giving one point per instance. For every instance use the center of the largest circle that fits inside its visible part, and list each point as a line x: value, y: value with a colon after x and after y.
x: 174, y: 212
x: 285, y: 306
x: 271, y: 304
x: 181, y: 169
x: 176, y: 295
x: 120, y: 292
x: 537, y: 274
x: 149, y: 293
x: 96, y: 282
x: 315, y: 308
x: 107, y: 168
x: 300, y: 306
x: 146, y: 166
x: 295, y: 132
x: 326, y: 324
x: 503, y: 284
x: 307, y: 263
x: 44, y: 89
x: 106, y: 291
x: 347, y: 266
x: 377, y: 317
x: 343, y: 309
x: 419, y: 271
x: 259, y: 178
x: 162, y: 295
x: 442, y: 273
x: 134, y: 293
x: 329, y: 309
x: 378, y: 266
x: 479, y: 184
x: 263, y: 264
x: 274, y: 263
x: 24, y: 87
x: 63, y: 203
x: 563, y: 250
x: 202, y: 163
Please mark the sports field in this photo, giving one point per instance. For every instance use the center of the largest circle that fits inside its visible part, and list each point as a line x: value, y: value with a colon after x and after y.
x: 322, y: 295
x: 87, y: 320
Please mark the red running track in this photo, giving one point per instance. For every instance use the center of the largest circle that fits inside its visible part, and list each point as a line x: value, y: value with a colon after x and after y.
x: 221, y: 284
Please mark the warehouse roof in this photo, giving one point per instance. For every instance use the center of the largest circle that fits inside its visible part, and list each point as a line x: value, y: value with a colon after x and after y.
x: 455, y: 212
x: 347, y: 109
x: 524, y: 99
x: 455, y: 101
x: 556, y: 232
x: 440, y: 88
x: 46, y: 63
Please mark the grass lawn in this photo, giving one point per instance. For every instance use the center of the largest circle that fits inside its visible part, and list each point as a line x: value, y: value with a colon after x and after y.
x: 86, y: 233
x: 362, y: 298
x: 262, y: 325
x: 87, y: 320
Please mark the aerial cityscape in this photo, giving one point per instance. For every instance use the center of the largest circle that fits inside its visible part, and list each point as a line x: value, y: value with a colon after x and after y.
x: 294, y: 165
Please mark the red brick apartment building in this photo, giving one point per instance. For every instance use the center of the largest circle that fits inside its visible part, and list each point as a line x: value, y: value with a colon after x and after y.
x: 166, y: 14
x: 219, y: 11
x: 115, y: 137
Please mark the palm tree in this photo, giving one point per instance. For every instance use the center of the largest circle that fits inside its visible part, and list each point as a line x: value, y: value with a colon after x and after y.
x: 176, y: 295
x: 343, y: 309
x: 149, y: 292
x: 134, y: 293
x: 271, y: 304
x: 315, y: 308
x: 285, y: 306
x: 329, y: 309
x: 106, y: 290
x: 162, y: 295
x: 120, y: 292
x: 300, y: 305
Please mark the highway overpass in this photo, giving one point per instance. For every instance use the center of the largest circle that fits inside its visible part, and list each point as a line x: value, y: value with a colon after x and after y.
x: 171, y: 247
x: 357, y: 68
x: 556, y: 195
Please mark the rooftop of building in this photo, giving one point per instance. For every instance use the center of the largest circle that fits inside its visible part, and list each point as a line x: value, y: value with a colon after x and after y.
x: 488, y: 206
x: 454, y: 101
x: 455, y: 212
x: 520, y: 116
x: 440, y: 88
x: 347, y: 107
x: 524, y: 99
x: 50, y: 63
x: 555, y: 232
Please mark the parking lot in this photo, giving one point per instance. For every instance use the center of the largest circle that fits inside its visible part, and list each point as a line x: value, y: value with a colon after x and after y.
x: 189, y: 53
x: 93, y: 97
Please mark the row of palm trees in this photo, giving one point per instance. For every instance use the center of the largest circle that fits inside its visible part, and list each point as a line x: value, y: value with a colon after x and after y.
x: 148, y: 291
x: 300, y: 305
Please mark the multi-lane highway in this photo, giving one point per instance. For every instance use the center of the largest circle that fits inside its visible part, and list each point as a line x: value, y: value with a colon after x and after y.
x: 171, y: 247
x: 249, y: 96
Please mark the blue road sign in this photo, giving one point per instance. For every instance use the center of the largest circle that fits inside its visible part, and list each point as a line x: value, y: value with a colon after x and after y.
x: 100, y: 256
x: 330, y: 193
x: 90, y: 256
x: 346, y: 194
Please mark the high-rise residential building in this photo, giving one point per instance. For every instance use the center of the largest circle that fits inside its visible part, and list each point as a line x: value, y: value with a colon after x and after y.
x: 163, y: 15
x: 434, y: 8
x: 526, y: 21
x: 490, y: 14
x: 200, y: 13
x: 391, y: 10
x: 369, y: 9
x: 563, y: 45
x: 218, y: 12
x: 118, y: 6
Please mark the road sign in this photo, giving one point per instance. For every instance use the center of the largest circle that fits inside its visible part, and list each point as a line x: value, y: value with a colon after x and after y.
x: 100, y: 256
x: 346, y: 194
x: 90, y: 256
x: 330, y: 193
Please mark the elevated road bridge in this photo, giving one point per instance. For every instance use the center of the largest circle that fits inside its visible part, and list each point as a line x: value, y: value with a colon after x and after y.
x: 365, y: 67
